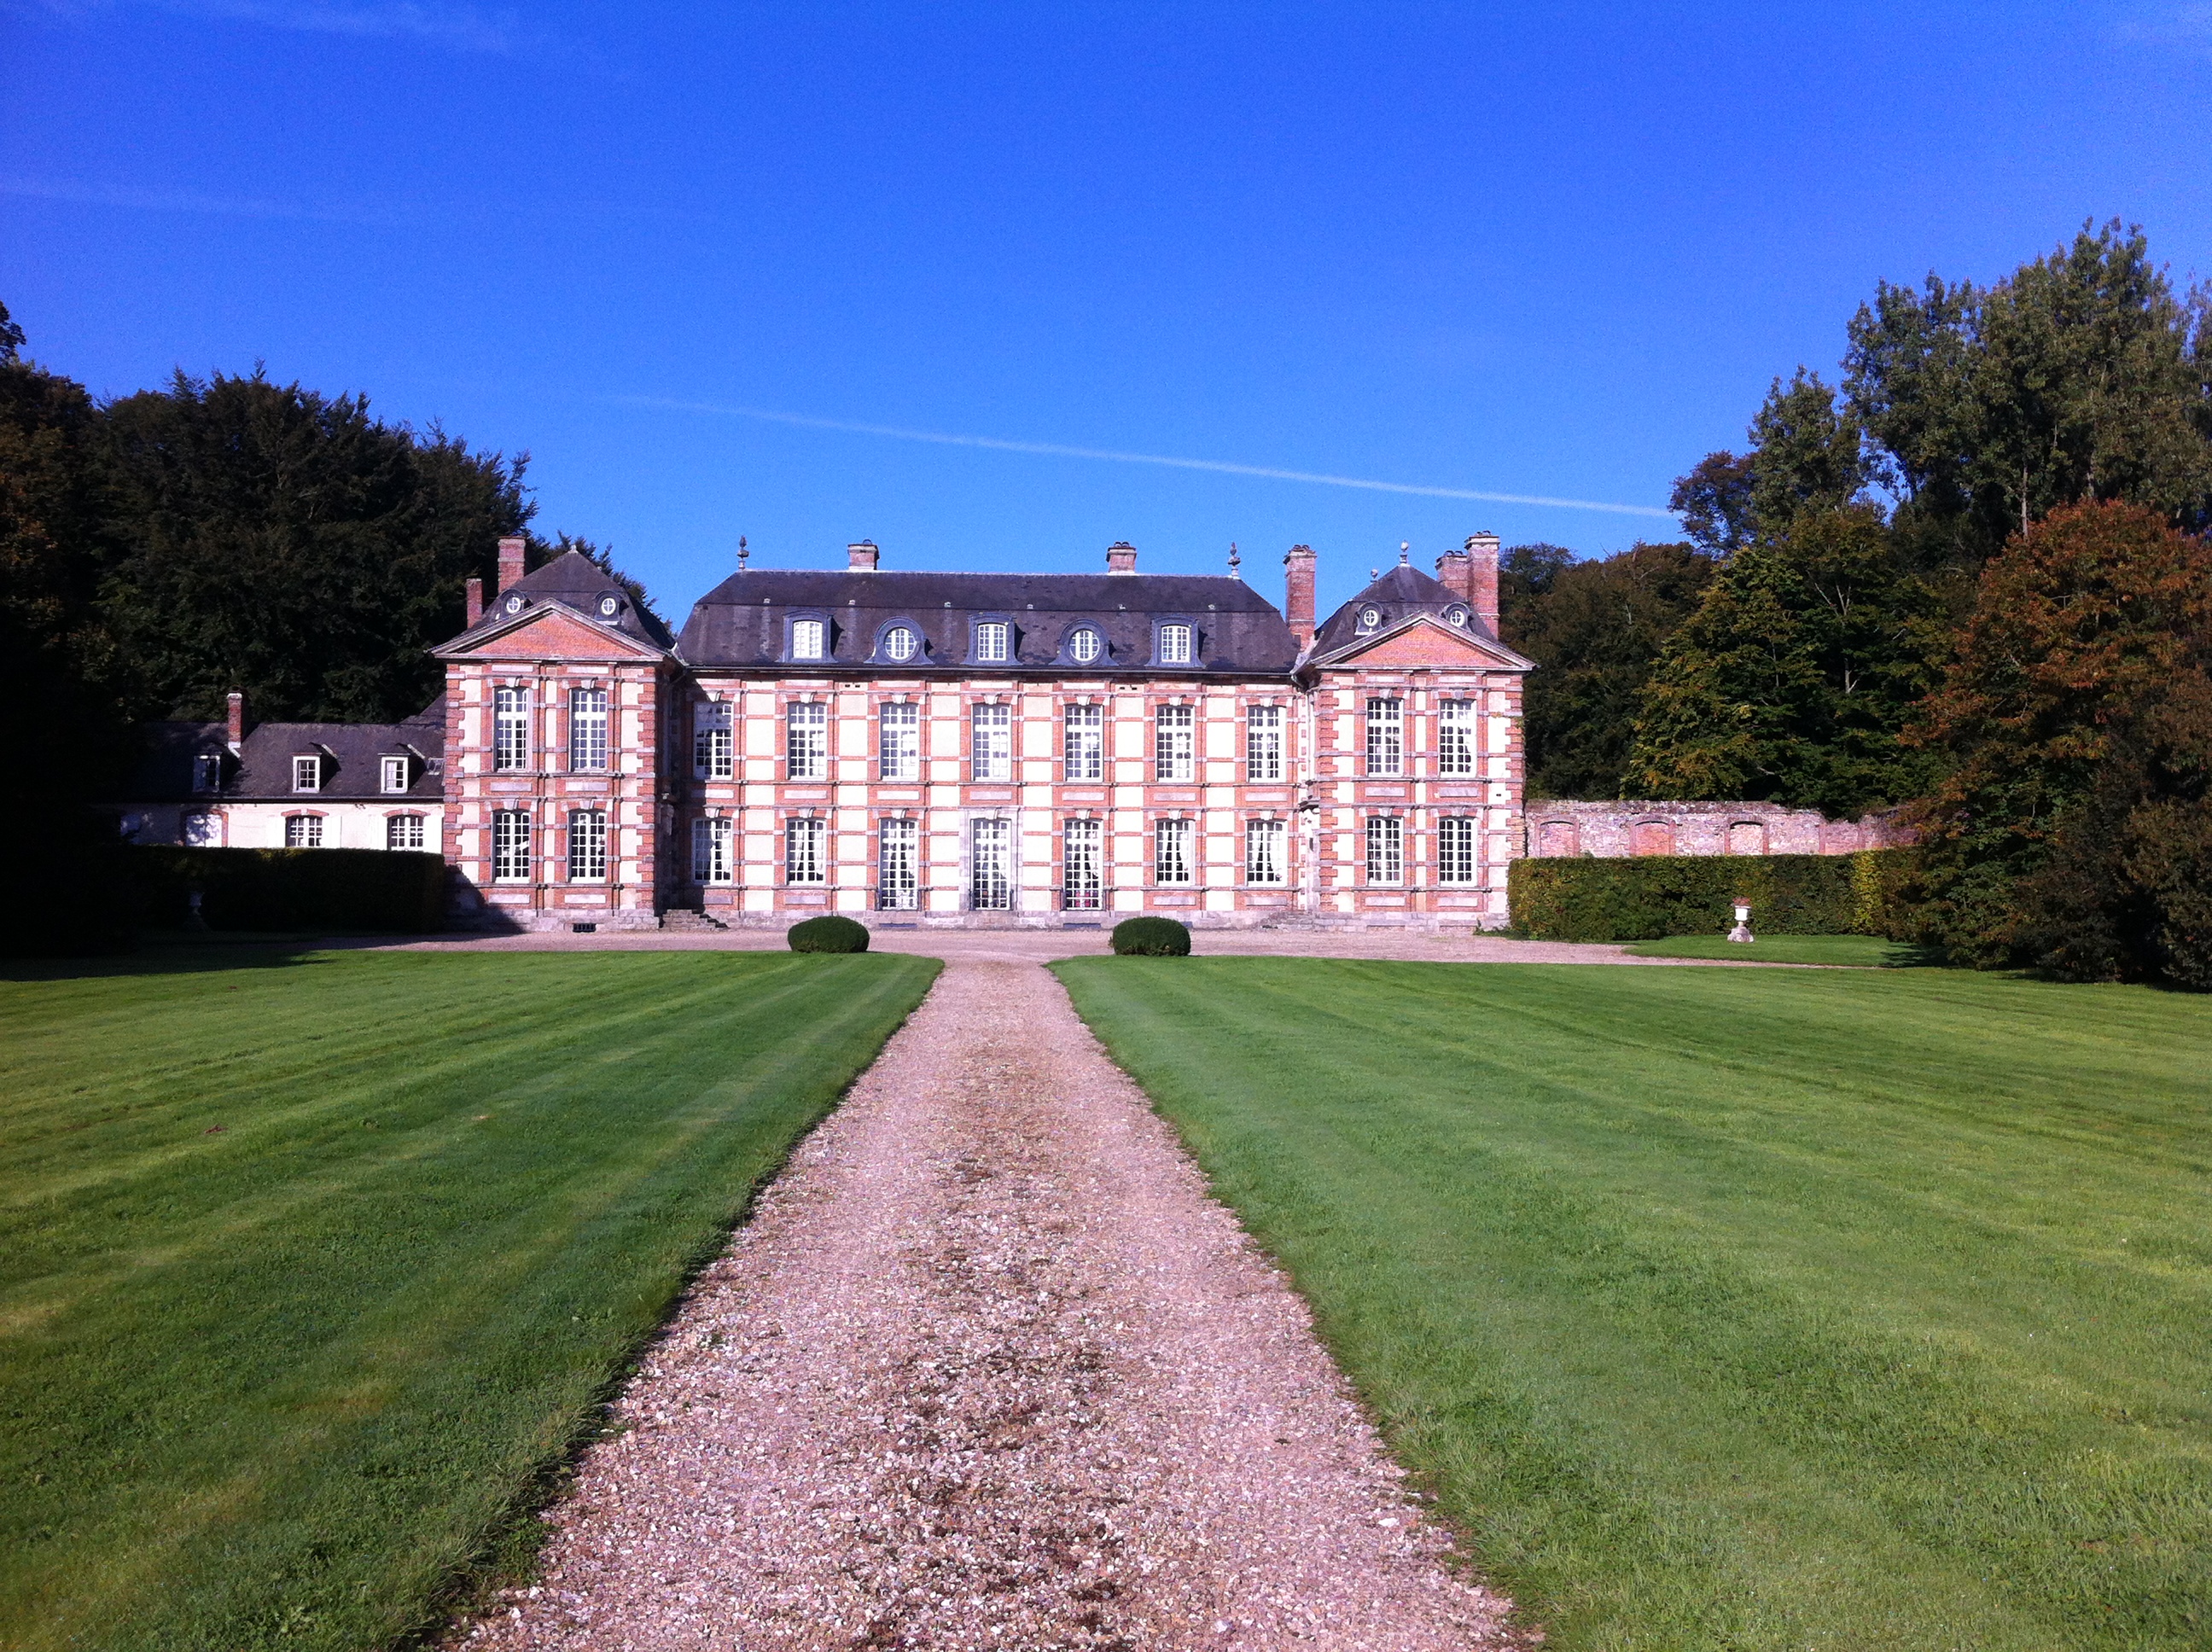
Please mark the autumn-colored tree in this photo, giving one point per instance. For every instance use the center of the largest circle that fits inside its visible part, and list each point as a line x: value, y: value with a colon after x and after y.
x: 2073, y: 831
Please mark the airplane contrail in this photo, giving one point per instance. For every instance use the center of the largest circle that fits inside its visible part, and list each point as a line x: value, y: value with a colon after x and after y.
x: 1057, y: 450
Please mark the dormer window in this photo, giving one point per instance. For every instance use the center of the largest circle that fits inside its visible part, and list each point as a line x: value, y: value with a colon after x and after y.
x: 1176, y: 644
x: 993, y: 642
x: 901, y: 643
x: 307, y: 774
x: 1370, y: 619
x: 395, y: 774
x: 1456, y: 617
x: 207, y: 772
x: 1085, y: 645
x: 809, y: 639
x: 609, y: 605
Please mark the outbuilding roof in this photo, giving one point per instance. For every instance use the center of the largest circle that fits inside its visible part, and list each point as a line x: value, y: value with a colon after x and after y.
x: 261, y: 770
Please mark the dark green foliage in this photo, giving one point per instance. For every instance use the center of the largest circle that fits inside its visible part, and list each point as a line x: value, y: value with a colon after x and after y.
x: 1151, y: 936
x: 319, y: 1267
x: 313, y: 889
x: 830, y: 933
x: 1597, y: 629
x: 1647, y: 897
x: 1795, y: 679
x: 1804, y: 454
x: 1739, y: 1310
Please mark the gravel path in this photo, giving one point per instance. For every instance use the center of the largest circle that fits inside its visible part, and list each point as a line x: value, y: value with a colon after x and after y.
x: 989, y: 1368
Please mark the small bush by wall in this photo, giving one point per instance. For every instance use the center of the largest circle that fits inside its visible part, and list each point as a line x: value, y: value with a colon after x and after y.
x: 389, y: 889
x: 1151, y: 937
x: 1648, y: 896
x: 827, y: 933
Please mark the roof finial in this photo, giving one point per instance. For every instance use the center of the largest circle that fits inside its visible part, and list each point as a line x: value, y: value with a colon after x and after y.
x: 1233, y: 559
x: 742, y: 553
x: 1404, y: 546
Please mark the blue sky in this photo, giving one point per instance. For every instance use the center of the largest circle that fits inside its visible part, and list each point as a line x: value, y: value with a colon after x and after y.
x: 1557, y: 256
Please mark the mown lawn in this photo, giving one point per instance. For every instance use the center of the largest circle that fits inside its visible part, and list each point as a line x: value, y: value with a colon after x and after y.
x: 1866, y: 951
x: 1741, y: 1308
x: 312, y: 1268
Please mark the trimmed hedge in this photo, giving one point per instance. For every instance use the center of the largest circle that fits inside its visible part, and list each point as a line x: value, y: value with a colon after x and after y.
x: 827, y: 933
x: 1151, y: 937
x: 391, y: 889
x: 1647, y: 897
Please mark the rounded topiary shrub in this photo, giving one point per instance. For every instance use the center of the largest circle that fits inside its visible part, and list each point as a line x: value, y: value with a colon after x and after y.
x: 1152, y: 937
x: 827, y: 933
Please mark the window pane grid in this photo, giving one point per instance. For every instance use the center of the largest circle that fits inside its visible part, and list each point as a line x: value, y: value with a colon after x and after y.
x: 803, y: 856
x: 899, y: 868
x: 806, y: 639
x: 993, y: 751
x: 1174, y: 645
x: 1263, y: 743
x: 587, y: 729
x: 990, y: 883
x: 898, y: 746
x: 404, y: 832
x: 714, y: 752
x: 711, y: 861
x: 1263, y: 851
x: 510, y: 733
x: 1086, y: 743
x: 303, y: 831
x: 992, y: 641
x: 1082, y: 874
x: 1456, y: 850
x: 510, y: 843
x: 1455, y: 737
x: 587, y: 845
x: 1386, y: 736
x: 806, y: 741
x: 1171, y: 852
x: 1175, y: 744
x: 1386, y: 849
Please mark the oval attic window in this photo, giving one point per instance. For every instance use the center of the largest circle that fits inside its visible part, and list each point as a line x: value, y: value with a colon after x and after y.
x: 901, y: 643
x: 1084, y: 645
x: 1368, y: 619
x: 610, y: 606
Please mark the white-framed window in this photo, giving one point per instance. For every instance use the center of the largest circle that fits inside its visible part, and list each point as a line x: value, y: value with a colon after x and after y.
x: 510, y: 843
x: 1084, y: 645
x: 392, y: 775
x: 994, y: 642
x: 898, y: 743
x: 1386, y: 736
x: 587, y: 845
x: 1370, y: 619
x: 404, y: 832
x: 202, y: 830
x: 713, y: 741
x: 307, y: 774
x: 1264, y: 862
x: 1458, y: 860
x: 805, y: 850
x: 806, y: 741
x: 1171, y: 860
x: 898, y: 865
x: 809, y: 639
x: 1456, y: 736
x: 1386, y: 849
x: 303, y: 831
x: 1082, y: 865
x: 1263, y: 743
x: 1176, y: 644
x: 207, y: 772
x: 1083, y: 743
x: 991, y: 864
x: 901, y: 643
x: 992, y: 755
x: 712, y: 861
x: 510, y: 728
x: 587, y: 729
x: 1175, y: 742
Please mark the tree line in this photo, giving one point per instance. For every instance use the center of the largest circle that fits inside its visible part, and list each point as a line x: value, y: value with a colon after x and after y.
x: 1969, y: 580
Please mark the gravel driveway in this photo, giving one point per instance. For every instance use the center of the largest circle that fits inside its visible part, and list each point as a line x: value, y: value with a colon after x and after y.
x: 989, y: 1368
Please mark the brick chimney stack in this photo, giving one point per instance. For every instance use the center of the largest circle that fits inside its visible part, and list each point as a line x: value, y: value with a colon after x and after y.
x: 860, y: 557
x: 510, y: 563
x: 1120, y: 557
x: 1482, y: 578
x: 236, y: 736
x: 1299, y: 593
x: 475, y: 601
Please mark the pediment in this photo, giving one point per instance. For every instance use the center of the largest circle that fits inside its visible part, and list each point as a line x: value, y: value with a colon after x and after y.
x: 1424, y: 640
x: 549, y: 632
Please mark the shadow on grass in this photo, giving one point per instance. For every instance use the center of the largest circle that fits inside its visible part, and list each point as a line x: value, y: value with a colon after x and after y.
x: 180, y: 952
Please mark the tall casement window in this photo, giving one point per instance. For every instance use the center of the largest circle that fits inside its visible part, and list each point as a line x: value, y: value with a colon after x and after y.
x: 303, y: 831
x: 993, y: 642
x: 1263, y: 743
x: 307, y: 774
x: 1175, y: 645
x: 805, y: 851
x: 1171, y: 860
x: 510, y: 843
x: 403, y: 832
x: 1386, y: 849
x: 809, y: 639
x: 392, y: 775
x: 1456, y: 736
x: 587, y: 729
x: 587, y: 845
x: 1386, y: 736
x: 991, y: 866
x: 898, y: 743
x: 992, y: 752
x: 1175, y: 742
x: 1084, y: 743
x: 806, y: 741
x: 1082, y: 868
x: 713, y: 741
x: 898, y: 865
x: 1264, y: 862
x: 1456, y: 861
x: 510, y: 728
x: 712, y: 861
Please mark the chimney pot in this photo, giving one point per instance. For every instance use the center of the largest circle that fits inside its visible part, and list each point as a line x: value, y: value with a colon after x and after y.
x: 237, y: 712
x: 1482, y: 578
x: 1120, y: 557
x: 476, y: 601
x: 860, y: 557
x: 510, y: 563
x: 1299, y: 593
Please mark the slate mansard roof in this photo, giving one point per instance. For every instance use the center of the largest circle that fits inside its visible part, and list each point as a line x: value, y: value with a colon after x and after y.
x: 571, y: 580
x: 261, y: 772
x: 744, y: 622
x: 1402, y: 593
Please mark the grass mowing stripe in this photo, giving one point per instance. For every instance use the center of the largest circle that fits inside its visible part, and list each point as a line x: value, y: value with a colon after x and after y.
x: 289, y: 1379
x: 1741, y: 1308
